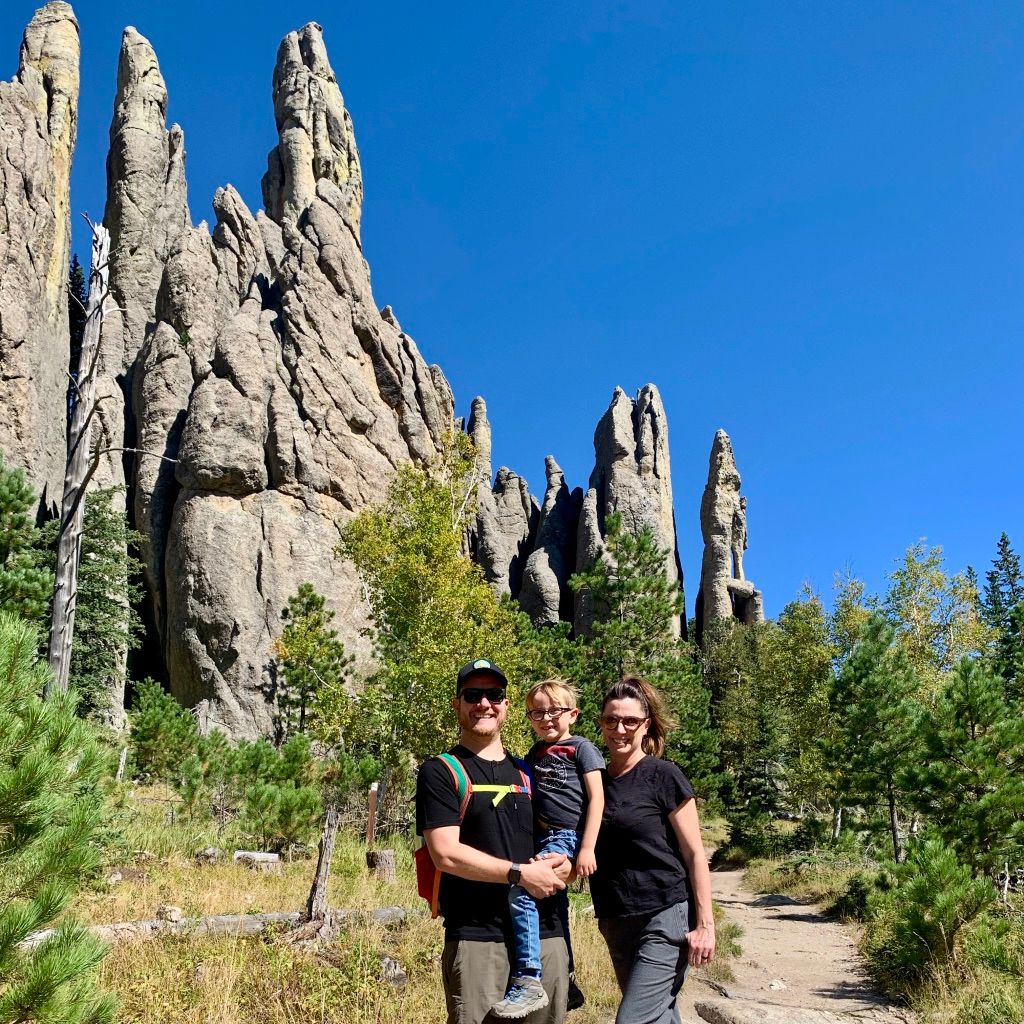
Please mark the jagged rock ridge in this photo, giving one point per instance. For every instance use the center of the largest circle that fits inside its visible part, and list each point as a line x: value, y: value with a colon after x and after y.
x: 531, y: 556
x: 268, y: 373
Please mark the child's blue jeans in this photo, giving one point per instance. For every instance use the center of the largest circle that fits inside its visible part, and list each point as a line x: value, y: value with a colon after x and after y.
x: 526, y: 920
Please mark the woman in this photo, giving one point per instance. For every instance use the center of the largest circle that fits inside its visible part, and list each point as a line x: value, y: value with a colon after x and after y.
x: 651, y: 867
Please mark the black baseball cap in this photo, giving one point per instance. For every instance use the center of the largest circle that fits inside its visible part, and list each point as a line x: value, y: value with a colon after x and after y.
x: 480, y: 665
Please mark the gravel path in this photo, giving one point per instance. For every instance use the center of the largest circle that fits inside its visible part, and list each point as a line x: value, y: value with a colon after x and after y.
x: 796, y: 966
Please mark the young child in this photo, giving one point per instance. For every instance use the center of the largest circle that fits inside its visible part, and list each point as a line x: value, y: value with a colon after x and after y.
x: 568, y: 800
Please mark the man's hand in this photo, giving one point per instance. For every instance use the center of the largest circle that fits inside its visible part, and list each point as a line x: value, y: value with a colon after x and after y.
x: 542, y: 878
x: 586, y: 862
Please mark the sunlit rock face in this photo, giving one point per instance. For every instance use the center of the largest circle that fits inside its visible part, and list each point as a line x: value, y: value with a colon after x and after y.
x: 38, y: 127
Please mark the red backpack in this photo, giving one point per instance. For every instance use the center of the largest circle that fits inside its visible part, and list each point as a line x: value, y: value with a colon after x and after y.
x: 428, y: 876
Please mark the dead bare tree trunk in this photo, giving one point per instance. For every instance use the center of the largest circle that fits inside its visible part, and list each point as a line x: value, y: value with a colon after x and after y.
x: 76, y: 476
x: 316, y: 905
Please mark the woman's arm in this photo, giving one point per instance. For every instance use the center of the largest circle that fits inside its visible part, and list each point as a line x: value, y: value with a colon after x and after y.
x: 687, y: 829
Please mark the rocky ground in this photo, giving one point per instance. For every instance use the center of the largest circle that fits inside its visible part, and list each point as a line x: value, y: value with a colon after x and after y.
x: 797, y: 967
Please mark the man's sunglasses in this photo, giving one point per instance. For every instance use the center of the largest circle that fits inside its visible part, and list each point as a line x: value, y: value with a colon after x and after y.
x: 475, y: 694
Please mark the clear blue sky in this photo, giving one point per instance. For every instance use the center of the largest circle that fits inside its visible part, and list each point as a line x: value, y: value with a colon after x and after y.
x: 802, y: 221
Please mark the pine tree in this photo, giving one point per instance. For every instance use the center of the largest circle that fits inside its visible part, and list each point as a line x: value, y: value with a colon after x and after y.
x: 872, y: 743
x: 49, y: 811
x: 109, y: 589
x: 1002, y: 597
x: 25, y: 586
x: 78, y: 299
x: 970, y: 779
x: 313, y: 663
x: 635, y: 606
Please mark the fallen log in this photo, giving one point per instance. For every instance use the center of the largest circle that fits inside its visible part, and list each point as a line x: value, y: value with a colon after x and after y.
x: 244, y: 925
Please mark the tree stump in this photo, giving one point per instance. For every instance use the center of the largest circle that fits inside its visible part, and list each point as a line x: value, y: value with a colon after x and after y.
x: 316, y: 904
x: 382, y: 863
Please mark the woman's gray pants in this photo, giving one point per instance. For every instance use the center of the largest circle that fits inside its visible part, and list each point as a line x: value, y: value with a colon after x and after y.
x: 648, y: 953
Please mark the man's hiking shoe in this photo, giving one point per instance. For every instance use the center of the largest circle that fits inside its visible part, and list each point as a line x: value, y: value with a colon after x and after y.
x: 524, y: 996
x: 576, y: 998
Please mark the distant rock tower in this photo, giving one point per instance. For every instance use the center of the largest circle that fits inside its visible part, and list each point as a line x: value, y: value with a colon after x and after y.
x: 725, y: 592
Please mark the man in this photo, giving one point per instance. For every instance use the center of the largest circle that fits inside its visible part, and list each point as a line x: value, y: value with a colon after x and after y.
x: 483, y: 856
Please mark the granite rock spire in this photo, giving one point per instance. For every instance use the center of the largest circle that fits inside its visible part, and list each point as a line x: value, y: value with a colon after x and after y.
x: 38, y: 130
x: 725, y: 592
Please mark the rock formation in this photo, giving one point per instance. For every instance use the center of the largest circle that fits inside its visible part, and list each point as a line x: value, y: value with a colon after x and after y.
x: 545, y: 594
x: 255, y: 395
x: 632, y: 476
x: 506, y: 517
x: 38, y: 126
x: 725, y: 592
x: 302, y: 404
x: 146, y: 213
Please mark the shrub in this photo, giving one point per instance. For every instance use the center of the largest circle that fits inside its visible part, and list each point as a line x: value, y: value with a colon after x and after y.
x: 919, y: 911
x: 164, y: 735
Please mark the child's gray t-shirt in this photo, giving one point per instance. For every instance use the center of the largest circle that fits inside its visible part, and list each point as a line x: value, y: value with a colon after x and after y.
x: 560, y: 796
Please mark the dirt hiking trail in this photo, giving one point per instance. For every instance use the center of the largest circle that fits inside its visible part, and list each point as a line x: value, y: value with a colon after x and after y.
x: 796, y: 967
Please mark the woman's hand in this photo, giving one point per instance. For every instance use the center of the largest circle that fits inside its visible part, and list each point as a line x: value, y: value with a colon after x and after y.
x: 586, y: 863
x: 701, y: 945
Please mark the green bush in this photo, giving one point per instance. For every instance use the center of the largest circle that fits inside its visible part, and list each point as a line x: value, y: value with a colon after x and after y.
x: 164, y: 735
x: 918, y: 912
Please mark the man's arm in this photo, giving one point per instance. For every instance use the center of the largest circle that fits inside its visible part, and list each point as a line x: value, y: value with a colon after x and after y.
x: 586, y: 862
x: 539, y: 878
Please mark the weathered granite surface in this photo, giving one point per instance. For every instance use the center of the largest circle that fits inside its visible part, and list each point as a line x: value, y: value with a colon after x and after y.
x: 545, y: 594
x: 306, y: 403
x: 507, y: 514
x: 38, y: 128
x: 725, y: 592
x: 632, y: 476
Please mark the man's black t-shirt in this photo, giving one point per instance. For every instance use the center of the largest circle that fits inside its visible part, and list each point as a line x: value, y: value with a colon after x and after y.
x: 639, y: 866
x: 498, y: 823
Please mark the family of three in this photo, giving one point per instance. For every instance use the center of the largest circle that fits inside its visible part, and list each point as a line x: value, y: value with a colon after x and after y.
x: 508, y: 836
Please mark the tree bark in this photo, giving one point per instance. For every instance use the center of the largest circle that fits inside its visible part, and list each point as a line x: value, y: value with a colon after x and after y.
x: 76, y: 476
x: 382, y: 863
x: 894, y: 827
x: 837, y: 821
x: 316, y: 905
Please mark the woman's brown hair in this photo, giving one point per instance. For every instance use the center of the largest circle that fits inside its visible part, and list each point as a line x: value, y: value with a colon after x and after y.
x: 660, y: 722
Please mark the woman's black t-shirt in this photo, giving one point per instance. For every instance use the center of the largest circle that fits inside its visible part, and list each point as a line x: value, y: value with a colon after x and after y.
x: 500, y: 824
x: 639, y: 866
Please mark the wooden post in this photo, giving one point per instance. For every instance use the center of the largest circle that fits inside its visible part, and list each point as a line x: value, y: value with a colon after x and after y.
x: 316, y: 905
x: 371, y: 818
x: 380, y: 862
x: 69, y: 543
x: 120, y: 764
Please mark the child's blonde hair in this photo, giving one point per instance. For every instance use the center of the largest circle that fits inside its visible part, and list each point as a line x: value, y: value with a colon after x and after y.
x: 555, y: 690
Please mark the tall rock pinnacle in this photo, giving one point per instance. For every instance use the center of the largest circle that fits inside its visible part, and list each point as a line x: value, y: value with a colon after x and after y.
x: 506, y: 514
x: 545, y: 595
x: 631, y: 476
x: 316, y: 138
x: 146, y: 213
x: 38, y: 128
x: 304, y: 400
x: 725, y: 592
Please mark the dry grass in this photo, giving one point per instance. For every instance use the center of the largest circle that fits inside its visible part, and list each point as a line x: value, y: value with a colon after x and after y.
x: 820, y: 880
x: 226, y: 980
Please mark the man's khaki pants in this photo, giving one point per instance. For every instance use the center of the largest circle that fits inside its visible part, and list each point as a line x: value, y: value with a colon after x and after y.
x: 476, y: 975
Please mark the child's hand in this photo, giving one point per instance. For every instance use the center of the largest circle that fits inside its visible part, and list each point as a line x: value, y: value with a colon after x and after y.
x: 586, y: 863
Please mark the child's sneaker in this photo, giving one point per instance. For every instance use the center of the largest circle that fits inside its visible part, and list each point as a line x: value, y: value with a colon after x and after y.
x: 524, y: 996
x: 576, y: 998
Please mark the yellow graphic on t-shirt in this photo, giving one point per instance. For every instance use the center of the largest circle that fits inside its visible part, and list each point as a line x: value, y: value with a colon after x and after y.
x: 499, y: 791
